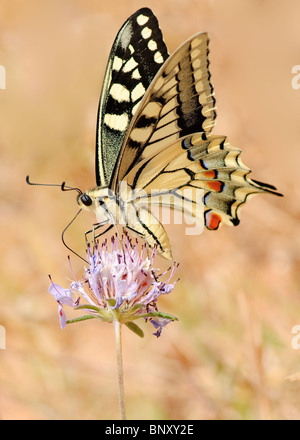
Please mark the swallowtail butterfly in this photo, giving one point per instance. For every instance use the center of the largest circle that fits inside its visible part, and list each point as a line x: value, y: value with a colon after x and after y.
x: 155, y: 117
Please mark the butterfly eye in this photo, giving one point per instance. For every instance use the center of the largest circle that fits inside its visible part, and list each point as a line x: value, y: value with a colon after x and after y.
x: 86, y: 200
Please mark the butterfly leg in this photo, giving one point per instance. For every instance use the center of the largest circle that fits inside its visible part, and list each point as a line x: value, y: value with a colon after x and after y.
x: 92, y: 231
x: 104, y: 232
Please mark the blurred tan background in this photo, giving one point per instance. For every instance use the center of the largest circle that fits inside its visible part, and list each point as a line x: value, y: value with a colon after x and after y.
x: 230, y: 356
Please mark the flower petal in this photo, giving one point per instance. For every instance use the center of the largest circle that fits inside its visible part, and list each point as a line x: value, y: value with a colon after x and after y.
x: 62, y: 317
x: 159, y: 323
x: 63, y: 296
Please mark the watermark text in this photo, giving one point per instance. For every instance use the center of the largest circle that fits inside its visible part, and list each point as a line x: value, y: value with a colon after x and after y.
x: 296, y: 78
x: 2, y: 77
x: 2, y: 337
x: 296, y: 338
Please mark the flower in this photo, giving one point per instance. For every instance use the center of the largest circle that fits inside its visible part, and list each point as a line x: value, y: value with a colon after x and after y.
x: 120, y: 284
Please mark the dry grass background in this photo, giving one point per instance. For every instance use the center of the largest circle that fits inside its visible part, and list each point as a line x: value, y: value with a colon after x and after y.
x: 230, y: 354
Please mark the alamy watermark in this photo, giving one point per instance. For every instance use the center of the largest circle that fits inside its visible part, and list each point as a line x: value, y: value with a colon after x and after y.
x: 2, y: 86
x: 2, y: 337
x: 296, y: 338
x: 132, y: 208
x: 2, y: 77
x: 296, y: 78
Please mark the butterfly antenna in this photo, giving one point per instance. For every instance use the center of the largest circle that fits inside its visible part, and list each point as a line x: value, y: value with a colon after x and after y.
x: 63, y: 186
x: 63, y: 237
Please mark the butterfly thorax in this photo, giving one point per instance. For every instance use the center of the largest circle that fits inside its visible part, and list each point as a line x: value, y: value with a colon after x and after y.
x: 109, y: 207
x: 128, y: 208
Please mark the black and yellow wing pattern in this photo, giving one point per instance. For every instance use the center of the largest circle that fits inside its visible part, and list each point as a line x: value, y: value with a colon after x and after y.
x: 137, y: 54
x: 156, y: 114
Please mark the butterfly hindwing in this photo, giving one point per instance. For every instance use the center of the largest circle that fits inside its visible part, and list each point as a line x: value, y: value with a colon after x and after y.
x: 137, y: 54
x: 197, y: 162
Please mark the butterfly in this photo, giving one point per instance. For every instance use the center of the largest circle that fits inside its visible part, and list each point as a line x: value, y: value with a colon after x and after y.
x: 154, y: 144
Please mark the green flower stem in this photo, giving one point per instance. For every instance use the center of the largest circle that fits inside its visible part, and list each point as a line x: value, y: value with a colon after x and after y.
x: 118, y: 340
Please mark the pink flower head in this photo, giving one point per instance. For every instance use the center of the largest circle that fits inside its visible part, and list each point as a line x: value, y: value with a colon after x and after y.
x: 119, y: 284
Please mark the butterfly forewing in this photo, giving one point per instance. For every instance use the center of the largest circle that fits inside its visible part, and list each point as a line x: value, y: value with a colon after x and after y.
x: 179, y: 101
x: 137, y: 54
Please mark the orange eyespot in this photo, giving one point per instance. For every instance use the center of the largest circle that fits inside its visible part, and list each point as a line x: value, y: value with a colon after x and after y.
x: 216, y: 186
x: 212, y: 174
x: 212, y: 220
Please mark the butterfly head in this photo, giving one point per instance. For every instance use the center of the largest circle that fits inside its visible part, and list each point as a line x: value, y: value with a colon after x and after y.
x: 85, y: 200
x: 98, y: 199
